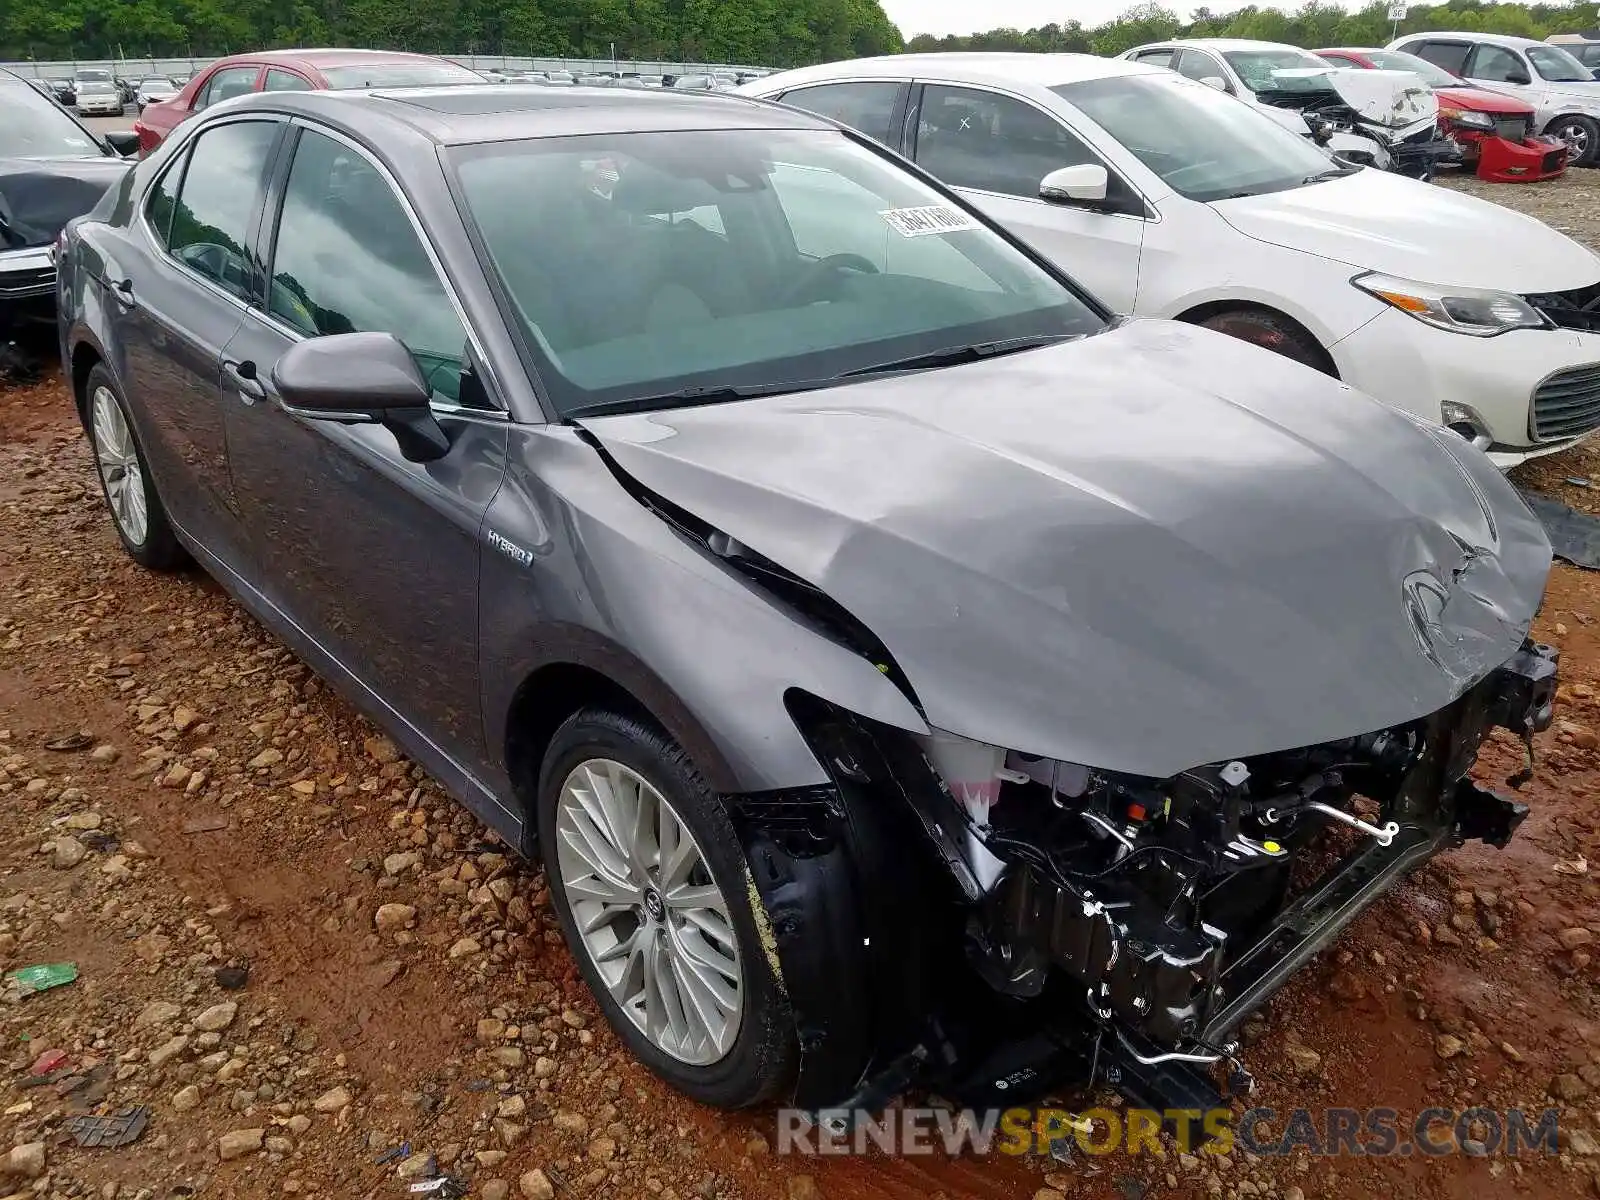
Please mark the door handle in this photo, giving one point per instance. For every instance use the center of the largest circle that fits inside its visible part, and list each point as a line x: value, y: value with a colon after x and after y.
x: 244, y: 379
x: 122, y: 292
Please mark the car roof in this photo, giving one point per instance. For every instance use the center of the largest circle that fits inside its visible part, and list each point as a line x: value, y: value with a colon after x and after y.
x: 1044, y: 70
x: 328, y: 57
x: 1223, y: 44
x: 1493, y: 39
x: 464, y: 114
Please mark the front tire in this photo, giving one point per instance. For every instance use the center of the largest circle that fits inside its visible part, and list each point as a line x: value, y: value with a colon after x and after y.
x: 125, y: 481
x: 657, y: 905
x: 1582, y: 136
x: 1271, y: 331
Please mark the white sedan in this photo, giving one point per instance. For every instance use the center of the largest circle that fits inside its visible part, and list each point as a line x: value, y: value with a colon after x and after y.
x: 1168, y: 198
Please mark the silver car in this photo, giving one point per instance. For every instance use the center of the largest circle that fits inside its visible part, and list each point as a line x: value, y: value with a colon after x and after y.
x: 1564, y: 93
x: 98, y: 98
x: 154, y: 90
x: 906, y: 673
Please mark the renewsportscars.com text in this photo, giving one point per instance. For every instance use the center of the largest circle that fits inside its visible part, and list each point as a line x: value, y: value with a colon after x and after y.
x: 1374, y: 1132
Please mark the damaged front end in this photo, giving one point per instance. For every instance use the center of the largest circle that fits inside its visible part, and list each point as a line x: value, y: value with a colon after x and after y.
x: 1117, y: 928
x: 1382, y: 119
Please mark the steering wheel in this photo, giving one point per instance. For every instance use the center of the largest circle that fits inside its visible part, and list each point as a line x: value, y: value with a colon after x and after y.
x: 815, y: 279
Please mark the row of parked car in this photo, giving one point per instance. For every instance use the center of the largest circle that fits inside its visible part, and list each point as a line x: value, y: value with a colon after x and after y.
x: 910, y: 672
x: 94, y: 91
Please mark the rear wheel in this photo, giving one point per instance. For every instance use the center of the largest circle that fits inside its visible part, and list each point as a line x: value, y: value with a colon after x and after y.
x: 1271, y: 331
x: 1582, y: 136
x: 657, y: 904
x: 136, y: 509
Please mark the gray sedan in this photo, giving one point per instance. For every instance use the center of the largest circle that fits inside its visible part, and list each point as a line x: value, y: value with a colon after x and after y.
x: 905, y: 673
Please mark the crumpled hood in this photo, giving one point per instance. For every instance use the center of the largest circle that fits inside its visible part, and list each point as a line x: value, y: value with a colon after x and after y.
x: 1482, y: 100
x: 1145, y: 550
x: 1389, y: 98
x: 40, y: 195
x: 1385, y: 222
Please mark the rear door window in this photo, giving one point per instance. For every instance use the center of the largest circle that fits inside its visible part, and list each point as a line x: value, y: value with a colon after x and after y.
x: 226, y: 84
x: 211, y: 225
x: 1156, y: 58
x: 865, y: 106
x: 1452, y: 56
x: 284, y: 81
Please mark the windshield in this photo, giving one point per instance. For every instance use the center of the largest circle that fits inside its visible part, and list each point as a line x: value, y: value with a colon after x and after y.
x: 1257, y: 69
x: 34, y: 127
x: 157, y: 85
x: 641, y: 264
x: 1557, y: 66
x: 1397, y: 60
x: 90, y: 75
x: 402, y: 74
x: 92, y: 87
x: 1203, y: 143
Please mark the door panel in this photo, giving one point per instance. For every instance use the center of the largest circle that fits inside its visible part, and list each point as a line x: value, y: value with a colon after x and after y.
x: 183, y: 301
x: 374, y: 557
x: 995, y: 149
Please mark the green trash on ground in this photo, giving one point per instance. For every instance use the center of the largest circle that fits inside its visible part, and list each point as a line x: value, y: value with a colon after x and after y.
x: 41, y: 978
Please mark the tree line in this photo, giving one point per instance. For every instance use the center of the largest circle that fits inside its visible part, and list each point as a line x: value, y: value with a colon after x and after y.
x: 777, y: 33
x: 1314, y: 23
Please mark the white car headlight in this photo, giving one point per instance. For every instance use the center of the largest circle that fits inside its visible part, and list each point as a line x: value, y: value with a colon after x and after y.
x: 1457, y: 309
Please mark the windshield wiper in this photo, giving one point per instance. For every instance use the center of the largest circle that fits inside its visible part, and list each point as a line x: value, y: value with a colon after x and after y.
x: 684, y: 397
x: 1330, y: 173
x: 955, y: 355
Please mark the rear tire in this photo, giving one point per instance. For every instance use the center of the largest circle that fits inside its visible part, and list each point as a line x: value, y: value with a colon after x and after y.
x: 619, y: 803
x: 137, y: 513
x: 1271, y: 331
x: 1582, y: 136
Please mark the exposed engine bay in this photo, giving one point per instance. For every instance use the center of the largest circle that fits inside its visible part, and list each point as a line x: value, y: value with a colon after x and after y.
x: 1382, y: 119
x: 1121, y: 927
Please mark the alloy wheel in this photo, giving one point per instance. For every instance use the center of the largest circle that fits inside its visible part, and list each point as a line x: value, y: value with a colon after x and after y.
x: 1576, y: 137
x: 118, y: 463
x: 648, y: 913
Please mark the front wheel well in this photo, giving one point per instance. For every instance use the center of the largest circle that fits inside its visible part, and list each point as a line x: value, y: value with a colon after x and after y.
x: 1202, y: 313
x: 541, y: 704
x: 84, y: 359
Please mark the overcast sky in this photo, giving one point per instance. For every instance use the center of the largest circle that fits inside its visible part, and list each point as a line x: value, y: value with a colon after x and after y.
x: 962, y: 16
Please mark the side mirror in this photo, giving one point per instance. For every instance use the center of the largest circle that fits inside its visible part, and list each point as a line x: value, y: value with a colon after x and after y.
x: 1215, y: 81
x: 123, y: 141
x: 1519, y: 76
x: 1083, y: 183
x: 1596, y: 73
x: 361, y: 378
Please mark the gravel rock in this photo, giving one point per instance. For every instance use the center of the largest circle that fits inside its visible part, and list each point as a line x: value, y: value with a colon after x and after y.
x: 415, y: 1167
x: 1304, y: 1059
x: 169, y: 1050
x: 332, y: 1100
x: 239, y: 1142
x: 1571, y: 939
x: 495, y: 1189
x: 218, y: 1017
x: 804, y: 1187
x: 157, y: 1012
x: 464, y: 947
x: 1568, y: 1087
x: 25, y: 1161
x: 185, y: 1098
x: 1446, y: 1046
x: 391, y: 917
x: 535, y: 1185
x: 67, y: 852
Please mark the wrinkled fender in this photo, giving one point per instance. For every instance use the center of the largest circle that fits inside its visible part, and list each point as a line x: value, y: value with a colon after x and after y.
x: 577, y: 570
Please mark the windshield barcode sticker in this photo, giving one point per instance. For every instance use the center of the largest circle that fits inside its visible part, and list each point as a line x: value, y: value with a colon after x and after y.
x: 932, y: 218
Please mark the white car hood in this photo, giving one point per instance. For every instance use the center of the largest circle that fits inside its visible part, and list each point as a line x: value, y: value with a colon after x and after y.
x: 1385, y: 222
x: 1390, y: 98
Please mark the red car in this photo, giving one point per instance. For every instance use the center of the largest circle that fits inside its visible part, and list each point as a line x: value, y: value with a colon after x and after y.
x: 293, y: 71
x: 1495, y: 131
